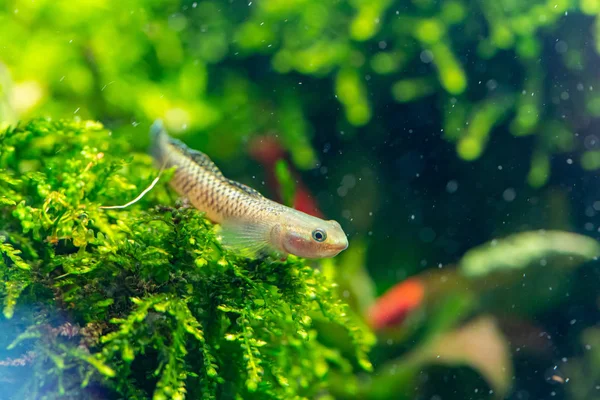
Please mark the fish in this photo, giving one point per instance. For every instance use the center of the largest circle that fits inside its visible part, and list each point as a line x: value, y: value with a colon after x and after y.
x: 392, y: 308
x: 251, y: 224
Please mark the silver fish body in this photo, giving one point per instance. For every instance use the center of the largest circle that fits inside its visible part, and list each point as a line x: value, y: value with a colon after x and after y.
x: 251, y: 223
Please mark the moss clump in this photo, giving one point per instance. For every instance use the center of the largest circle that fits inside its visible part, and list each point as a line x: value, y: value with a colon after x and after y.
x: 143, y: 302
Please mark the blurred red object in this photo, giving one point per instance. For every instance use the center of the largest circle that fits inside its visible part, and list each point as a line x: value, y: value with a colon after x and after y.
x: 267, y: 150
x: 394, y: 305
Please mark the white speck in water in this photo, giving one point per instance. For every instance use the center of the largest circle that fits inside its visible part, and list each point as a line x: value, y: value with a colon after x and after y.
x: 426, y: 56
x: 76, y: 111
x: 104, y: 87
x: 452, y: 186
x: 569, y: 161
x: 194, y: 4
x: 509, y: 195
x: 491, y: 84
x: 561, y: 47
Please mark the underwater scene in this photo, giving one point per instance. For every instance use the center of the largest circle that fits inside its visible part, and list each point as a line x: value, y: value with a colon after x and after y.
x: 300, y: 199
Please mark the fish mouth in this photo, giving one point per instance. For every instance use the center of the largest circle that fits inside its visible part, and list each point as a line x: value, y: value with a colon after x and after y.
x: 338, y: 248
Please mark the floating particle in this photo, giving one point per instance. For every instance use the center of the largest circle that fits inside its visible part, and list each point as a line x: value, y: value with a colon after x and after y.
x: 509, y: 195
x: 452, y: 186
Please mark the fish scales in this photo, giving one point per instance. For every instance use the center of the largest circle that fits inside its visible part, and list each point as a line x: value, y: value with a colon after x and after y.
x: 207, y: 189
x: 251, y: 222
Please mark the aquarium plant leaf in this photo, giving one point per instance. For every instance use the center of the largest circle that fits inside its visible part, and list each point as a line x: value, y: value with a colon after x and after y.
x: 105, y: 296
x: 525, y: 249
x: 480, y: 345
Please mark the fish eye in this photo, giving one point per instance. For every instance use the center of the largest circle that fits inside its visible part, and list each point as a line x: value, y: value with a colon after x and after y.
x: 319, y: 235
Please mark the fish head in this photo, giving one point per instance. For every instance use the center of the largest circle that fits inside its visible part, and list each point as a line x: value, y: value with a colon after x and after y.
x: 310, y: 237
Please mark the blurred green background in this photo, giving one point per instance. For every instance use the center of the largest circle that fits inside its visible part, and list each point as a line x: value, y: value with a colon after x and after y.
x: 425, y: 127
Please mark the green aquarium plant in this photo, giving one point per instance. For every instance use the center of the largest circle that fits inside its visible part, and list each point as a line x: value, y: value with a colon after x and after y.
x: 143, y: 302
x: 198, y: 63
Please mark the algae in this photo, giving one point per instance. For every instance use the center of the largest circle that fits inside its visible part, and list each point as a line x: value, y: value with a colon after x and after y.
x: 143, y: 302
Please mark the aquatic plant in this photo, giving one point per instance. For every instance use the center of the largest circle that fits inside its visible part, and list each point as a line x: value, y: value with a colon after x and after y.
x: 143, y: 302
x: 188, y: 62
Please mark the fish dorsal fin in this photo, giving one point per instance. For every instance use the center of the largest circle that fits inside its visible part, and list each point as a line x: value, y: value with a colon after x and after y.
x: 197, y: 157
x: 246, y: 189
x: 204, y: 161
x: 201, y: 159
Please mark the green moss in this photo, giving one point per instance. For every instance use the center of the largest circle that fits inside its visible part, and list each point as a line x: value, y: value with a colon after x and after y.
x: 143, y: 302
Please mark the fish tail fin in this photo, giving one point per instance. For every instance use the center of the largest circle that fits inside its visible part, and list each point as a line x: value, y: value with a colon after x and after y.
x: 158, y: 141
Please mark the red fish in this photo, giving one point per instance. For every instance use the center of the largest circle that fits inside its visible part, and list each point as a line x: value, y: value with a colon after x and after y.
x: 394, y: 305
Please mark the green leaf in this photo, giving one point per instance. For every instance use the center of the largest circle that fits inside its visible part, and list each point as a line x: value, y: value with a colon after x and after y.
x: 286, y: 182
x: 528, y: 249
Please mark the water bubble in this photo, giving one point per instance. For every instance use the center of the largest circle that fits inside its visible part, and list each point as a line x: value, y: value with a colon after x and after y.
x: 427, y: 235
x: 561, y: 47
x: 590, y: 142
x: 509, y: 195
x: 426, y: 56
x: 452, y: 186
x: 349, y: 181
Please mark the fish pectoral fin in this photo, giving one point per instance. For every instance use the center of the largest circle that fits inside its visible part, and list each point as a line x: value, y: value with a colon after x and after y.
x: 247, y: 239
